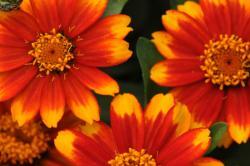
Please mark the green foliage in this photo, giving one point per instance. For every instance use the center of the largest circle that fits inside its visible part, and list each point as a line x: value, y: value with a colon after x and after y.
x: 7, y: 5
x: 148, y: 56
x: 217, y: 132
x: 115, y: 7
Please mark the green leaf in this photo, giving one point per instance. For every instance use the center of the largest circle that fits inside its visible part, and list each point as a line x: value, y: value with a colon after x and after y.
x: 217, y: 132
x: 115, y: 7
x: 148, y: 56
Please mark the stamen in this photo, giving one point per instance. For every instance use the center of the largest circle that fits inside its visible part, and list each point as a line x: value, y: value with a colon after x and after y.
x: 226, y: 61
x: 52, y: 52
x: 20, y: 146
x: 133, y: 158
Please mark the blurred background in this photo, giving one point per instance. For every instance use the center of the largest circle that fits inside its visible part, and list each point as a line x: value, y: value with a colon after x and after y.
x: 146, y: 18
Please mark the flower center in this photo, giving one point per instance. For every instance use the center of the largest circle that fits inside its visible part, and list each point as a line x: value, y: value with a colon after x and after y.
x: 227, y: 61
x: 133, y: 158
x: 21, y: 145
x: 52, y: 52
x: 8, y: 5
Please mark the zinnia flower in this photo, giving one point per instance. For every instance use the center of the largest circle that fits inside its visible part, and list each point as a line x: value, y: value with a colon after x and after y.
x: 49, y: 54
x: 159, y: 136
x: 207, y: 51
x: 21, y: 145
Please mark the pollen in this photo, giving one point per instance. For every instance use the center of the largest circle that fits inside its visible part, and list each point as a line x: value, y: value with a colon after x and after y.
x: 52, y: 52
x: 21, y: 145
x: 133, y: 158
x: 226, y: 61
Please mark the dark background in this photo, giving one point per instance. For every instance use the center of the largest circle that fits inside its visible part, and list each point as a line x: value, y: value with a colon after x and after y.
x: 146, y: 18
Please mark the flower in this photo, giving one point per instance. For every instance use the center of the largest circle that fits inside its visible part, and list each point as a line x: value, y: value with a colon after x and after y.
x: 206, y: 46
x: 21, y: 145
x: 159, y: 136
x: 49, y: 54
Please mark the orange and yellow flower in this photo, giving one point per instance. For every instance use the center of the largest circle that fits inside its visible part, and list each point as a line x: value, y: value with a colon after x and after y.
x: 159, y: 136
x: 50, y: 51
x: 207, y: 51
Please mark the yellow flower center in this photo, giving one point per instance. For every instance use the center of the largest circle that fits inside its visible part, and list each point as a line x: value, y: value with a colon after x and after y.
x: 227, y: 61
x: 21, y: 145
x: 133, y: 158
x: 52, y: 52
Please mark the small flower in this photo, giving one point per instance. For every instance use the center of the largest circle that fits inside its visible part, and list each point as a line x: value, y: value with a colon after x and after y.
x: 49, y: 58
x: 207, y: 51
x: 159, y: 136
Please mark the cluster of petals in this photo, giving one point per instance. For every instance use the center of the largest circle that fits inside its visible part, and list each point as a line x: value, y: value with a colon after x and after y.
x: 89, y: 40
x: 220, y: 30
x: 162, y: 132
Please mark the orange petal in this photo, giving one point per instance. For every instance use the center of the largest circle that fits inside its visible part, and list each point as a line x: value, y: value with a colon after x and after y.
x: 226, y: 140
x: 12, y: 82
x: 52, y: 102
x: 26, y: 105
x: 80, y: 100
x: 103, y: 53
x: 90, y: 146
x: 204, y: 102
x: 26, y: 6
x: 127, y: 122
x: 115, y: 26
x: 177, y: 72
x: 193, y: 9
x: 20, y: 23
x: 207, y: 161
x: 96, y: 80
x: 81, y: 15
x: 238, y: 114
x: 46, y: 14
x: 164, y: 121
x: 186, y: 30
x: 170, y: 48
x: 186, y: 148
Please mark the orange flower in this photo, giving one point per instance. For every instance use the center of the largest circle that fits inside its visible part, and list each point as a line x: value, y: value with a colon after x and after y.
x: 207, y: 50
x: 159, y: 136
x: 49, y: 54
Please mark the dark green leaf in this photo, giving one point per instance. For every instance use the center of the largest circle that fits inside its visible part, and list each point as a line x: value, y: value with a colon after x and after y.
x: 217, y: 132
x: 148, y: 56
x: 115, y: 7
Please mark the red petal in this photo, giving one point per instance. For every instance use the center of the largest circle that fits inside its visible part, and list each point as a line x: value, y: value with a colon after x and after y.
x: 52, y: 102
x: 164, y: 121
x: 96, y: 80
x: 46, y: 14
x: 115, y: 26
x: 186, y: 148
x: 225, y: 17
x: 92, y: 146
x: 20, y: 23
x: 12, y: 82
x: 238, y: 114
x: 177, y: 72
x: 103, y: 53
x: 127, y: 122
x: 81, y: 14
x: 13, y: 51
x: 203, y: 100
x: 22, y: 109
x: 80, y: 100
